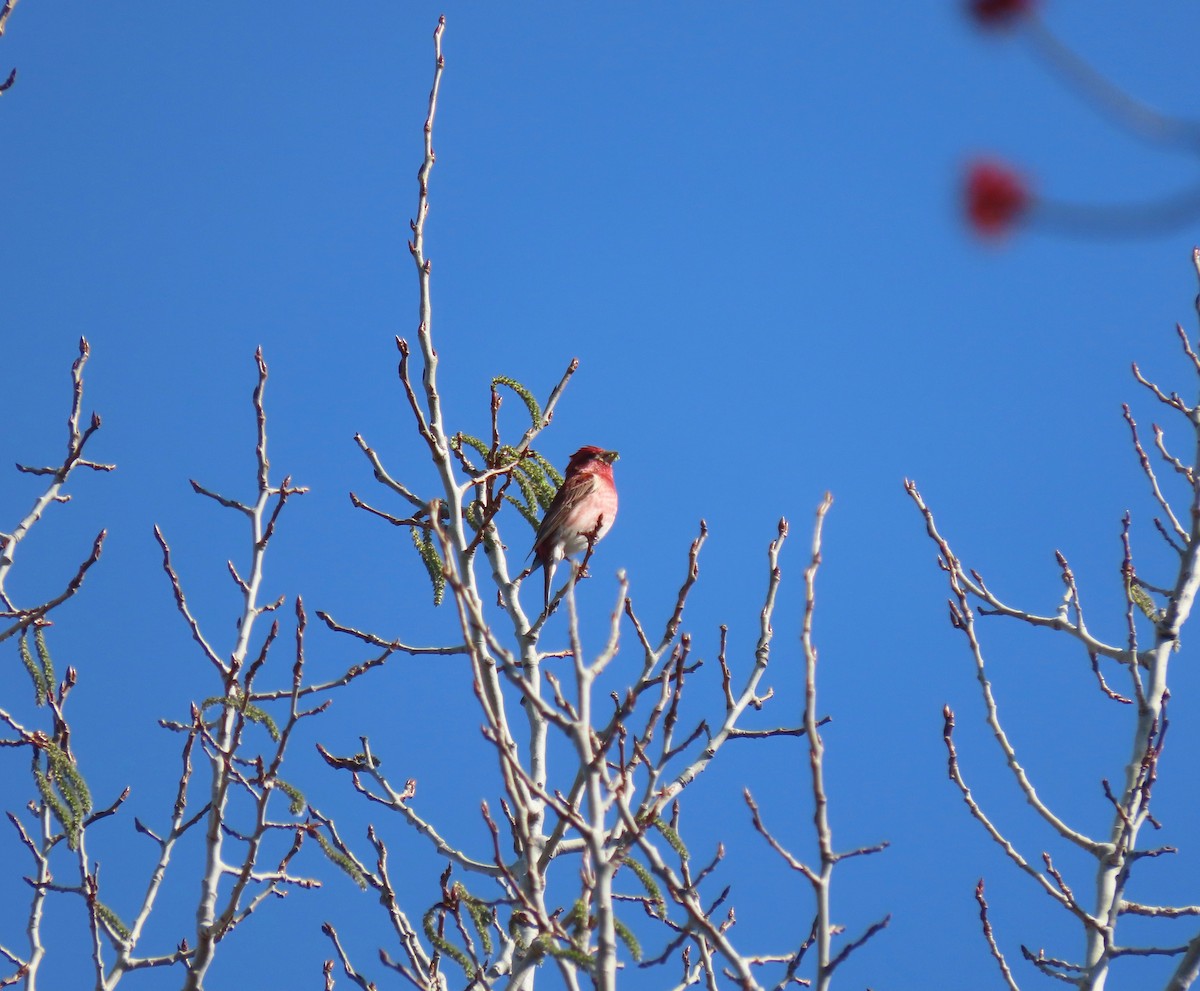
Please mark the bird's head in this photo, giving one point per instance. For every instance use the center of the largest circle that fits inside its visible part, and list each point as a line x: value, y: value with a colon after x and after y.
x: 586, y: 456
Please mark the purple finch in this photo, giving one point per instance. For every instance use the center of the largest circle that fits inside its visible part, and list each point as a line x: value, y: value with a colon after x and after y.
x: 582, y: 512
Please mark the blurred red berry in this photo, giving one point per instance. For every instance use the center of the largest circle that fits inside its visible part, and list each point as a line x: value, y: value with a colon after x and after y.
x: 996, y: 198
x: 998, y: 13
x: 583, y: 509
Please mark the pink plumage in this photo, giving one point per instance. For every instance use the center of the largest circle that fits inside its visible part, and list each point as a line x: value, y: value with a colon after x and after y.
x: 585, y: 506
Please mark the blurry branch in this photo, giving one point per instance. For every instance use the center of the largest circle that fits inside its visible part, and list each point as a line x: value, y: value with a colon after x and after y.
x: 1165, y: 607
x: 1138, y: 117
x: 58, y: 475
x: 998, y: 197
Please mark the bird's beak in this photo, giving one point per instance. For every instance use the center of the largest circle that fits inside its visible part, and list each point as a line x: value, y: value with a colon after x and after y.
x: 609, y: 456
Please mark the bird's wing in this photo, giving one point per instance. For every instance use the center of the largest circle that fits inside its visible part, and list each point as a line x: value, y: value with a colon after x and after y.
x: 566, y: 504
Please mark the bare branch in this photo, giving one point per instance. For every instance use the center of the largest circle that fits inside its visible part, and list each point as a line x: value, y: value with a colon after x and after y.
x: 956, y: 776
x: 390, y: 645
x: 28, y: 617
x: 1144, y: 461
x: 181, y: 604
x: 991, y: 939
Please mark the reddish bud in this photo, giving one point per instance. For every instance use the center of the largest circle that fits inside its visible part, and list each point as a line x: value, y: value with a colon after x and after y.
x: 995, y: 198
x: 998, y: 13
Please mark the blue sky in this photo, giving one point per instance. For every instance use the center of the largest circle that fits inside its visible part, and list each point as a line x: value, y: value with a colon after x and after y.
x: 743, y: 221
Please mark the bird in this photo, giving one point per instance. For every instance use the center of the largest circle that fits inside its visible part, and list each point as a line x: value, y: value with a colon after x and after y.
x: 582, y: 512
